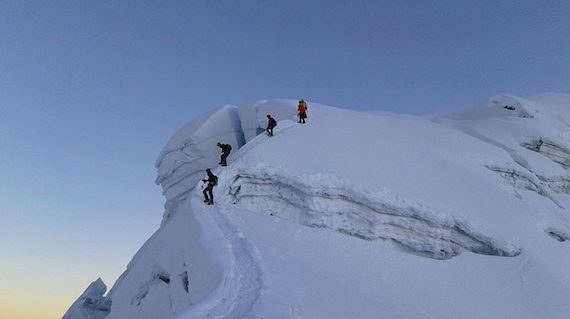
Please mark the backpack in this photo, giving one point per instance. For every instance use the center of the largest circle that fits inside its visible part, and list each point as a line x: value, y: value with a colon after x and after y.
x: 215, y: 178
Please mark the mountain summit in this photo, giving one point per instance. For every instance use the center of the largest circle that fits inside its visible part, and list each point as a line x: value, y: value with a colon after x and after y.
x: 358, y: 215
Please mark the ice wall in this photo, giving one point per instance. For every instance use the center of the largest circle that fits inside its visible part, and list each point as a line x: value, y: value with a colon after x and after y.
x: 182, y: 163
x: 254, y: 117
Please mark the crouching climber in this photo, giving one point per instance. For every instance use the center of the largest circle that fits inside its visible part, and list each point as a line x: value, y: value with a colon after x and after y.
x: 271, y: 123
x: 208, y: 191
x: 226, y: 149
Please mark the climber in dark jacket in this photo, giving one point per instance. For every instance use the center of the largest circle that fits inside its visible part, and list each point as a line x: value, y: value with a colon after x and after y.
x: 226, y: 149
x: 271, y: 123
x: 212, y: 181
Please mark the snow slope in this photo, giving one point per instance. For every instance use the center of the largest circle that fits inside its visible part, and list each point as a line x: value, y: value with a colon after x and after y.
x: 357, y: 215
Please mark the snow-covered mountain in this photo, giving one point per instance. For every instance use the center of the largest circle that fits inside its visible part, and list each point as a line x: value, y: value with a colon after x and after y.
x: 358, y: 215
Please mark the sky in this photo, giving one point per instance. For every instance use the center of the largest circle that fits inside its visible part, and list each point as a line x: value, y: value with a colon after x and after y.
x: 90, y: 92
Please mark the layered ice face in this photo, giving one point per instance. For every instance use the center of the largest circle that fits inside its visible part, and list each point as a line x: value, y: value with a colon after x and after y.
x: 356, y: 214
x: 182, y: 162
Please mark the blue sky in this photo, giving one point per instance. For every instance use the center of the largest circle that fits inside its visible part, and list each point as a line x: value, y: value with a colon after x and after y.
x: 90, y: 91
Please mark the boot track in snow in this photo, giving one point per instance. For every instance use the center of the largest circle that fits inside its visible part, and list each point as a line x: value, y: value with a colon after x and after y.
x: 242, y: 281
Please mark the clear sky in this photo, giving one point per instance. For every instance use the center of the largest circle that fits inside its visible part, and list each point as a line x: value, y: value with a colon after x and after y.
x: 90, y: 91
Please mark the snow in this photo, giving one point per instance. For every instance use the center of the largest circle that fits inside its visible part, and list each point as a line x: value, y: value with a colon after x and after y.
x: 253, y: 118
x: 181, y: 164
x: 91, y: 304
x: 326, y: 202
x: 175, y: 252
x: 354, y: 215
x: 183, y: 160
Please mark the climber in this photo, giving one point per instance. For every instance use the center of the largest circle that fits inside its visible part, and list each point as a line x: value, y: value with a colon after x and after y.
x: 302, y: 111
x: 212, y: 181
x: 271, y: 123
x: 226, y: 149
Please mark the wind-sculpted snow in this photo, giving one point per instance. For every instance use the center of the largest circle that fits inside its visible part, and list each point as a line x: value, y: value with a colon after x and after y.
x: 252, y: 256
x: 253, y: 118
x: 91, y: 304
x: 183, y: 160
x: 558, y: 184
x: 327, y: 202
x: 542, y: 185
x: 158, y: 276
x: 556, y: 152
x: 193, y: 149
x: 535, y: 134
x: 502, y: 105
x: 172, y: 271
x: 511, y: 104
x: 527, y: 180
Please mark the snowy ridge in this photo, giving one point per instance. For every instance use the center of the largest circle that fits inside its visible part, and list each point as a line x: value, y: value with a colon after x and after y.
x: 328, y: 202
x: 240, y: 287
x: 465, y: 190
x: 541, y: 129
x: 500, y: 105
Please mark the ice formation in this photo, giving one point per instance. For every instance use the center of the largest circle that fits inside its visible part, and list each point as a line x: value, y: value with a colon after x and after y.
x: 358, y: 215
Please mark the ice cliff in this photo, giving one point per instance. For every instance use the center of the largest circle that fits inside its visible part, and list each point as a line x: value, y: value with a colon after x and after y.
x: 182, y: 162
x: 358, y: 215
